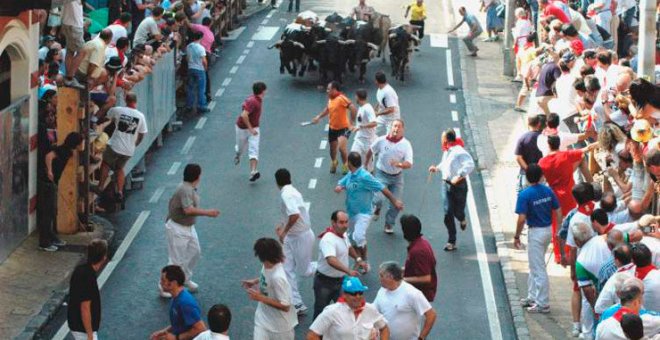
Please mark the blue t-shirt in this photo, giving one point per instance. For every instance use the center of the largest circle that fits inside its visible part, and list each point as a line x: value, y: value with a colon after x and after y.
x: 195, y: 53
x: 360, y: 189
x: 537, y: 202
x: 184, y: 312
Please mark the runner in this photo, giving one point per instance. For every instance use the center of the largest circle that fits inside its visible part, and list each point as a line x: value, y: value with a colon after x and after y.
x: 296, y: 235
x: 387, y: 110
x: 395, y: 154
x: 365, y: 126
x: 340, y: 125
x: 247, y: 129
x: 360, y: 188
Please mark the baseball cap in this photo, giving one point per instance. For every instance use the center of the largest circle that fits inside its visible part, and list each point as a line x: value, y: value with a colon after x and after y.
x: 352, y: 284
x: 568, y: 57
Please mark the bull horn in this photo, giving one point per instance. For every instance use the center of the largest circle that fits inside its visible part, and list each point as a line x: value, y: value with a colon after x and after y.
x: 392, y: 35
x: 276, y: 44
x: 349, y: 41
x: 320, y: 42
x: 373, y: 46
x: 295, y: 43
x: 328, y: 29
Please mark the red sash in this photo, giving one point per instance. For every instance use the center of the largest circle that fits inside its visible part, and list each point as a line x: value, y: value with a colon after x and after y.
x: 641, y: 272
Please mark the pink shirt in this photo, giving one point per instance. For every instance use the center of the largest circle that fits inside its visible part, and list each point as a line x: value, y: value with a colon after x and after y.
x: 208, y: 39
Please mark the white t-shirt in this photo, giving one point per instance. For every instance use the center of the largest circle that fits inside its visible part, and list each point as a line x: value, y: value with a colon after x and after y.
x: 388, y: 151
x: 338, y: 322
x: 652, y: 290
x: 578, y: 217
x: 610, y: 329
x: 146, y: 27
x: 118, y: 31
x: 292, y: 204
x: 387, y: 98
x: 654, y: 245
x: 208, y: 335
x: 566, y: 95
x: 566, y: 139
x: 128, y: 124
x: 43, y: 51
x: 72, y: 13
x: 274, y: 284
x: 593, y: 255
x: 332, y: 245
x: 365, y: 115
x: 111, y: 51
x: 403, y: 308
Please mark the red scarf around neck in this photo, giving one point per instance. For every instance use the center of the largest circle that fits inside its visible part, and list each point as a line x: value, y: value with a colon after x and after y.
x: 641, y: 272
x: 357, y: 311
x: 608, y: 228
x: 621, y: 312
x: 447, y: 145
x: 394, y: 139
x: 330, y: 230
x: 586, y: 208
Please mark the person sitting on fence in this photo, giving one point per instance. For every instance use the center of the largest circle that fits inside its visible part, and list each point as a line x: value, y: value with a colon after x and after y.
x: 130, y: 128
x: 148, y: 28
x: 103, y: 95
x: 91, y: 67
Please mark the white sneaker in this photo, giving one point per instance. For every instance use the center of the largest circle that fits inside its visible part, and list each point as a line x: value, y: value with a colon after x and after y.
x: 301, y: 309
x: 163, y: 294
x: 192, y: 286
x: 576, y: 331
x: 539, y: 309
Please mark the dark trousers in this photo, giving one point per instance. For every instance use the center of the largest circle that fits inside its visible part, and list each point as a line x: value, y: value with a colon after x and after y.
x: 297, y: 5
x: 208, y: 87
x: 455, y: 207
x: 326, y: 290
x: 420, y: 23
x: 46, y: 212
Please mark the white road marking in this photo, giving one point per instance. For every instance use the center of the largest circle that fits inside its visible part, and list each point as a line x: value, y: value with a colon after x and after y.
x: 156, y: 196
x: 458, y: 132
x: 112, y: 265
x: 265, y: 33
x: 189, y: 143
x: 450, y: 69
x: 439, y: 40
x: 323, y: 145
x: 326, y: 128
x: 240, y: 60
x: 318, y: 162
x: 233, y: 70
x: 233, y: 35
x: 250, y: 44
x: 202, y: 121
x: 484, y: 270
x: 246, y: 51
x: 212, y: 105
x: 454, y: 116
x: 226, y: 81
x: 452, y: 98
x: 312, y: 183
x: 265, y: 21
x: 270, y: 14
x: 174, y: 168
x: 220, y: 92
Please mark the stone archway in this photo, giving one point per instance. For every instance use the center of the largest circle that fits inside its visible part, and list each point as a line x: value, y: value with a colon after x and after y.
x: 14, y: 42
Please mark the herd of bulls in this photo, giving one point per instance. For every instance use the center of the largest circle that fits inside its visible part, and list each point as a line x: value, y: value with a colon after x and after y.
x: 341, y: 43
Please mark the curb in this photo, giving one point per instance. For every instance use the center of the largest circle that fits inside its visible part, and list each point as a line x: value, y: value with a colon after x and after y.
x: 59, y: 296
x: 513, y: 295
x: 252, y: 10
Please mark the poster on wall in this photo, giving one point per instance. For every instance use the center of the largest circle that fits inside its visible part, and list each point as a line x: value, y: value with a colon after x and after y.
x: 14, y: 163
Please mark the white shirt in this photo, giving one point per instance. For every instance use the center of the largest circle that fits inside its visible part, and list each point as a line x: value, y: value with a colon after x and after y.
x: 365, y: 115
x: 456, y: 162
x: 72, y: 13
x: 118, y: 31
x: 521, y: 31
x: 610, y: 329
x: 292, y: 204
x: 566, y: 139
x: 338, y: 322
x: 274, y: 284
x: 388, y: 151
x: 607, y: 296
x: 593, y: 255
x: 652, y: 290
x: 387, y: 98
x: 146, y: 27
x: 43, y: 51
x: 578, y: 217
x: 332, y: 245
x: 566, y: 95
x: 403, y: 308
x: 129, y: 123
x: 654, y: 245
x: 111, y: 51
x: 208, y: 335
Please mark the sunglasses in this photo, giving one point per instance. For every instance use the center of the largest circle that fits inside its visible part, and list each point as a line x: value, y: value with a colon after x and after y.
x: 354, y: 293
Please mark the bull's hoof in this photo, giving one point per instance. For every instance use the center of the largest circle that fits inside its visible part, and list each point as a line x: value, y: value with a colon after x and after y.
x: 281, y: 70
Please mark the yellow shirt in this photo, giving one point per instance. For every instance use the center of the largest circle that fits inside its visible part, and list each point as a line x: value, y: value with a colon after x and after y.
x: 417, y: 13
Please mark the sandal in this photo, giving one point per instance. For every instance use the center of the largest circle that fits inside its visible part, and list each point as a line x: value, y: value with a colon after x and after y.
x: 450, y: 247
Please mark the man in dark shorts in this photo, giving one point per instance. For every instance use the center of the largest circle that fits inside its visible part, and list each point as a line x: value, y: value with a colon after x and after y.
x: 339, y: 124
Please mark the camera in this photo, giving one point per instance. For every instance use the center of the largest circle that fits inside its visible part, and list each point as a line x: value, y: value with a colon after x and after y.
x: 649, y: 229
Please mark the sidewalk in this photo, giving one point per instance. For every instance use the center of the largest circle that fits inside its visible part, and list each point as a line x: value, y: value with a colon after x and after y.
x: 495, y: 128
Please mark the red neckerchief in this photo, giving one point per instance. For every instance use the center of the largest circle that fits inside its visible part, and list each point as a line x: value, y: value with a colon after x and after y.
x: 641, y: 272
x: 357, y: 311
x: 586, y: 208
x: 116, y: 22
x: 447, y: 145
x: 621, y: 312
x: 550, y: 132
x: 608, y: 228
x: 330, y: 230
x: 394, y: 139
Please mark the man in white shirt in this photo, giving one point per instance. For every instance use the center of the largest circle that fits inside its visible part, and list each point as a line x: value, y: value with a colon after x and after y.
x: 649, y: 274
x: 219, y: 317
x: 365, y: 125
x: 387, y: 109
x: 130, y: 128
x: 403, y: 305
x: 394, y: 154
x: 148, y: 28
x: 120, y: 27
x: 350, y: 318
x: 631, y: 303
x: 275, y: 317
x: 296, y: 235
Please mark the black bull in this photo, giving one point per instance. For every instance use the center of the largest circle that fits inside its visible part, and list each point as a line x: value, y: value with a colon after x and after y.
x: 293, y: 54
x: 401, y: 46
x: 362, y: 46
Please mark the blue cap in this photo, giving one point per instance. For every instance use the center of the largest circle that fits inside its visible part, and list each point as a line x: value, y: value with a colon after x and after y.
x: 352, y: 284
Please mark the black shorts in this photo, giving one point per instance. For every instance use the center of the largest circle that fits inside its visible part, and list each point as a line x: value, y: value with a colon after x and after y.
x: 333, y: 135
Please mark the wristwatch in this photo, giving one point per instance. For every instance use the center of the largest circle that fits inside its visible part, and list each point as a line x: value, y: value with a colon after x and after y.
x: 358, y: 259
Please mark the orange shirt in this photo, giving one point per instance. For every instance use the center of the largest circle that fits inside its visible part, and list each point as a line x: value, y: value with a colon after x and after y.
x: 338, y: 115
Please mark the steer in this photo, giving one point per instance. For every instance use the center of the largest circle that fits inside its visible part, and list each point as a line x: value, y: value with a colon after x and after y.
x: 331, y: 54
x: 292, y: 50
x: 362, y: 46
x: 401, y: 47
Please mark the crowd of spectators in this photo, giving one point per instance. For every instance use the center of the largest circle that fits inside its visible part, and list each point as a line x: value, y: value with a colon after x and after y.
x: 107, y: 64
x: 594, y: 140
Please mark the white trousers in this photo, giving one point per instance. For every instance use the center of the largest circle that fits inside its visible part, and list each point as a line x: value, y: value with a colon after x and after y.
x: 183, y: 247
x: 262, y: 334
x: 538, y: 285
x: 383, y: 127
x: 245, y: 140
x: 587, y: 319
x: 82, y: 336
x: 358, y: 226
x: 298, y: 251
x: 362, y: 147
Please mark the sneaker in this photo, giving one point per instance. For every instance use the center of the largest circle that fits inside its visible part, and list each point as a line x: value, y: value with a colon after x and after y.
x: 525, y: 302
x: 59, y: 243
x: 450, y: 247
x: 463, y: 224
x: 344, y: 169
x: 539, y: 309
x: 192, y: 286
x: 162, y: 293
x: 586, y: 336
x: 489, y: 39
x: 51, y: 248
x: 388, y: 229
x: 254, y: 176
x: 376, y: 214
x: 73, y: 82
x: 333, y: 166
x: 577, y: 329
x: 301, y: 309
x: 237, y: 159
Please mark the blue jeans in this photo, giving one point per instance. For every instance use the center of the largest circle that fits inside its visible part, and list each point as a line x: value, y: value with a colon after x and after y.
x: 394, y: 184
x: 534, y: 7
x: 196, y: 86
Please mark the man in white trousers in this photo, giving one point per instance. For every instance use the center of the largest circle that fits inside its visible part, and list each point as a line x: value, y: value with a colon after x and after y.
x: 247, y: 129
x: 296, y: 235
x: 365, y: 126
x: 182, y: 241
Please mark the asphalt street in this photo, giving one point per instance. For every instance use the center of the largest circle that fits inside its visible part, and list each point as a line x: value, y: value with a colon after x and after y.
x: 132, y: 308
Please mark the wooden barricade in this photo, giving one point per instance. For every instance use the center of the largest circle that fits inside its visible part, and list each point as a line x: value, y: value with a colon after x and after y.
x: 69, y: 114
